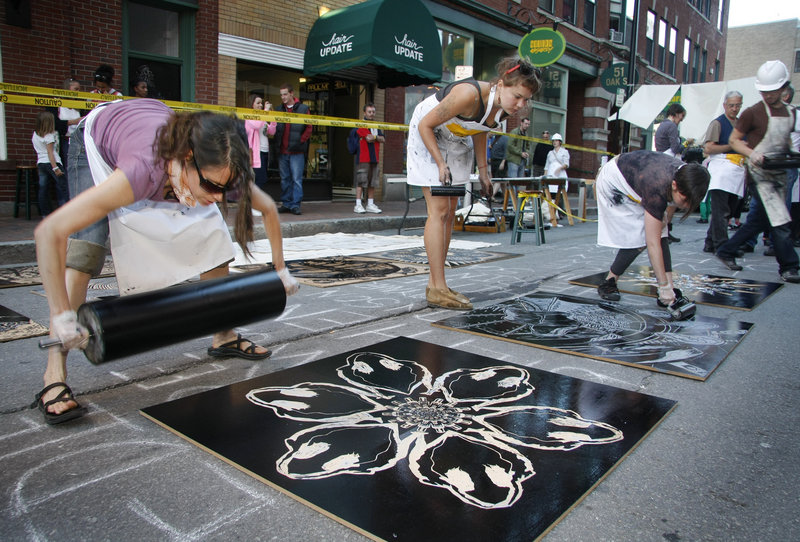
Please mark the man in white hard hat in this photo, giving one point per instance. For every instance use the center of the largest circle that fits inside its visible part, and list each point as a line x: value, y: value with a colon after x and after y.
x: 764, y: 128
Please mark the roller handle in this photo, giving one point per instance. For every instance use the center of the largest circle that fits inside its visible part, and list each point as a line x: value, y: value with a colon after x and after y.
x: 51, y: 342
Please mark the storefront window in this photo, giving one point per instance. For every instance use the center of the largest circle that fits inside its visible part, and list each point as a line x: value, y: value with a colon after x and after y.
x: 550, y: 103
x: 328, y: 165
x: 457, y: 50
x: 153, y: 39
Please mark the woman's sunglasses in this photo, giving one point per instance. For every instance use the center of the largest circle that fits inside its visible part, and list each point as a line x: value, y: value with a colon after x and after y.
x: 210, y: 186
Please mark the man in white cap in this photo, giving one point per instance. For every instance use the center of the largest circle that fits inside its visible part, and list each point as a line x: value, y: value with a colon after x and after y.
x: 764, y: 128
x: 727, y: 171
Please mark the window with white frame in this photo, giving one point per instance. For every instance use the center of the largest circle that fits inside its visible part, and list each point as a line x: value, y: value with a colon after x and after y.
x: 662, y: 44
x: 687, y: 52
x: 650, y: 35
x: 673, y: 45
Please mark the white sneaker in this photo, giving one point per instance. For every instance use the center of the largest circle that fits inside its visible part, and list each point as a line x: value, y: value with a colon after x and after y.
x: 359, y: 209
x: 372, y: 208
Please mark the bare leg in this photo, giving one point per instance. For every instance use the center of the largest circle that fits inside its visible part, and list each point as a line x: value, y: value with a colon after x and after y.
x: 358, y: 194
x: 438, y: 230
x: 56, y: 371
x: 228, y: 335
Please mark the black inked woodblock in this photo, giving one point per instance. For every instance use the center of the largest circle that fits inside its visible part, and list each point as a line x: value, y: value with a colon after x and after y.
x: 407, y: 440
x: 647, y: 339
x: 728, y: 292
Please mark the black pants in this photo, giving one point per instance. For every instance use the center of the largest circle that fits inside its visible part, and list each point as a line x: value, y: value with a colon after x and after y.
x: 723, y: 204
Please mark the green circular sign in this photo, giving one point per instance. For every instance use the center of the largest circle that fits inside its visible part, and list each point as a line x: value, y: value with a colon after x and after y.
x: 614, y: 77
x: 542, y: 46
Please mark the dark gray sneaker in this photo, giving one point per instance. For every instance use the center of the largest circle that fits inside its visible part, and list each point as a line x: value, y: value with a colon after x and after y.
x: 730, y: 263
x: 791, y: 275
x: 608, y: 290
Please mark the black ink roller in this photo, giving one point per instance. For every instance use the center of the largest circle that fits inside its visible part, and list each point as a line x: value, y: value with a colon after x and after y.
x: 132, y: 324
x: 447, y: 189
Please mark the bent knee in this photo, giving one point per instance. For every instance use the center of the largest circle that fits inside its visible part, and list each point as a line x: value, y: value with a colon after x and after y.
x: 85, y: 256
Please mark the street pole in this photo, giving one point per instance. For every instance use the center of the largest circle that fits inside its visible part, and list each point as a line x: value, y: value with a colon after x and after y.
x: 626, y: 127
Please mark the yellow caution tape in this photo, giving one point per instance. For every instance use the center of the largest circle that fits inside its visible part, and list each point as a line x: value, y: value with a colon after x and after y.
x: 89, y: 100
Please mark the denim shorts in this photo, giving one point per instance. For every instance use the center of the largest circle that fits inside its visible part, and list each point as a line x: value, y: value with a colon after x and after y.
x: 86, y: 249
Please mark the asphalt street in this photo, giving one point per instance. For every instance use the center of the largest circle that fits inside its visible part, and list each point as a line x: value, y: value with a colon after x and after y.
x: 722, y: 466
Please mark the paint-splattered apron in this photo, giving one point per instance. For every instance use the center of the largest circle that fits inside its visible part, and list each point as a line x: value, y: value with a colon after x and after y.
x: 620, y: 212
x: 158, y: 244
x: 771, y: 183
x: 454, y: 140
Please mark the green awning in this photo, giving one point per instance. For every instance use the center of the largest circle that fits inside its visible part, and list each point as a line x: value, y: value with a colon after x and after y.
x: 390, y: 42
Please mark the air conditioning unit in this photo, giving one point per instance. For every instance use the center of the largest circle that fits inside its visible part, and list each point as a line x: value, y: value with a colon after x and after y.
x: 615, y: 36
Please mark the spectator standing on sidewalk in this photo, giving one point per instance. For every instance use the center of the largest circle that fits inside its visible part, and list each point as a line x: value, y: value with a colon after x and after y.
x: 517, y: 155
x: 48, y: 162
x: 540, y: 153
x: 258, y: 134
x: 726, y: 167
x: 292, y: 143
x: 103, y: 77
x: 763, y: 128
x: 369, y: 147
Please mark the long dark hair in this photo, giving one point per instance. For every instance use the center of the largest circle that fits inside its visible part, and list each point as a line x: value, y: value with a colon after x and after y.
x: 692, y: 181
x: 216, y: 141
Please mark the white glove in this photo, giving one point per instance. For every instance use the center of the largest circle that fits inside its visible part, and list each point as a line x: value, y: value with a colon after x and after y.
x: 666, y: 294
x: 289, y: 283
x: 71, y: 333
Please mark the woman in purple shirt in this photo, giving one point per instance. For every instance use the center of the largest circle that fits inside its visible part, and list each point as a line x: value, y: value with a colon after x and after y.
x: 151, y: 177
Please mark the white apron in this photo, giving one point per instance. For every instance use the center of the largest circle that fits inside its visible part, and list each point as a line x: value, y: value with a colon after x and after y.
x: 619, y: 211
x: 454, y: 140
x: 725, y: 175
x: 158, y: 243
x: 771, y: 183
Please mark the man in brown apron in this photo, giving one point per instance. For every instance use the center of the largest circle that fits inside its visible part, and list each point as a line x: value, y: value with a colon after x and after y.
x: 762, y: 128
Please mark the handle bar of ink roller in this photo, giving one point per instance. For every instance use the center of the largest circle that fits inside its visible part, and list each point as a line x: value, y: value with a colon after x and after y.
x: 448, y: 190
x: 132, y: 324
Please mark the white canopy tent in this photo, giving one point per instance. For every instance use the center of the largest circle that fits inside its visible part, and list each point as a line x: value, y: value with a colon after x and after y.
x: 703, y: 103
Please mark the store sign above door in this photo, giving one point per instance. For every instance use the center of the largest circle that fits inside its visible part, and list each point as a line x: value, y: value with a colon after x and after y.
x: 542, y: 46
x: 336, y: 45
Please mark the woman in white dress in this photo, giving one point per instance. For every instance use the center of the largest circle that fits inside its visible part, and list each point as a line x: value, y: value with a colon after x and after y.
x: 443, y: 133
